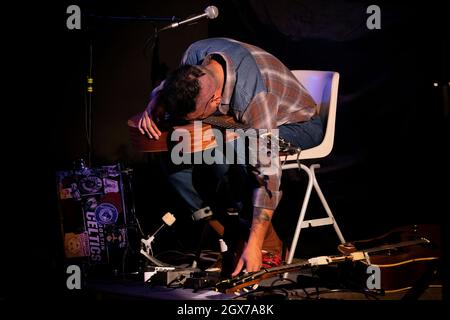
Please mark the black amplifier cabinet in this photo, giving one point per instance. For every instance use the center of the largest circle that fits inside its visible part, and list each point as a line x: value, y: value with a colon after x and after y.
x: 93, y: 215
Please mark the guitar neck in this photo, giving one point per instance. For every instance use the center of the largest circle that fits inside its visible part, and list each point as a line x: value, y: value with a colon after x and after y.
x: 227, y: 122
x: 234, y: 284
x: 224, y: 122
x: 398, y: 245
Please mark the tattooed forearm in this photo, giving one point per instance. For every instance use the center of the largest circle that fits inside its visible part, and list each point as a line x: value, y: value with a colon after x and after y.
x: 262, y: 216
x: 260, y: 223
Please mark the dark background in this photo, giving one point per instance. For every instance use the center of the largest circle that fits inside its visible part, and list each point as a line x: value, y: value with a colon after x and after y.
x: 387, y: 168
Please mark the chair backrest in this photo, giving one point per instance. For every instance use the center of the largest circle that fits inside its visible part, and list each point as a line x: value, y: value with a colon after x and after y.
x: 323, y: 87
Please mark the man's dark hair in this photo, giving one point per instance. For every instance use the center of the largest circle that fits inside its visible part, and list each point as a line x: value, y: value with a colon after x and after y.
x: 180, y: 91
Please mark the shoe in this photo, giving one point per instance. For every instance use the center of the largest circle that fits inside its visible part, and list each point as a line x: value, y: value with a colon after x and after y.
x: 270, y: 260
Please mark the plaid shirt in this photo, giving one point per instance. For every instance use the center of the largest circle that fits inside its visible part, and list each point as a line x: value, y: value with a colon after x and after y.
x: 262, y: 93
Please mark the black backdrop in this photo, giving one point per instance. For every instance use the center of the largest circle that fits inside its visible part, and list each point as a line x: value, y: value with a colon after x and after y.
x: 387, y: 168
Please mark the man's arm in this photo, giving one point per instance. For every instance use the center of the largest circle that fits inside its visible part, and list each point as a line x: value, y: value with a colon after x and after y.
x: 252, y: 255
x: 261, y: 113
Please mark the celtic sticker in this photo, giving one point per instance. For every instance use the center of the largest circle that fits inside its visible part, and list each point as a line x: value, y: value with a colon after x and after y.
x: 106, y: 213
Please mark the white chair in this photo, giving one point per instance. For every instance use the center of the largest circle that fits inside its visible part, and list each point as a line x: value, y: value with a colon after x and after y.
x: 323, y: 87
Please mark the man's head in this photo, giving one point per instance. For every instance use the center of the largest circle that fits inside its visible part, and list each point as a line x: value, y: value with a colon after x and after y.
x: 190, y: 92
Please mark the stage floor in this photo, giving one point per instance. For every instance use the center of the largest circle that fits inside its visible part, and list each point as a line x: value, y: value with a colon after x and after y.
x: 329, y: 284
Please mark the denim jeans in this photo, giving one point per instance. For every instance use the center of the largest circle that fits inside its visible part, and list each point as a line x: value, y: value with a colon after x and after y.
x: 228, y: 181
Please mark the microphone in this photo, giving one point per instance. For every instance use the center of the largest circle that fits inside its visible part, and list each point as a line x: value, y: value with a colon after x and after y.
x: 210, y: 12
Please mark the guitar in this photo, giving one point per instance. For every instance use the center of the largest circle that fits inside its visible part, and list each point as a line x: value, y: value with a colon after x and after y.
x: 200, y: 134
x: 232, y: 285
x: 401, y: 268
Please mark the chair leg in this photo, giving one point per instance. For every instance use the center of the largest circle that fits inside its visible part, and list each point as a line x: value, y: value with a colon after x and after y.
x: 302, y: 213
x: 325, y: 203
x: 312, y: 182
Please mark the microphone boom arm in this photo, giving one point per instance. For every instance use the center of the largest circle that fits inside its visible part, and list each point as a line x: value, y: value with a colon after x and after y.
x: 210, y: 12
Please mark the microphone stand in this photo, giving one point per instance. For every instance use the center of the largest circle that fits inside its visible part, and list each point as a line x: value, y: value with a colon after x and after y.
x: 157, y: 72
x: 155, y: 62
x: 129, y: 18
x: 88, y: 108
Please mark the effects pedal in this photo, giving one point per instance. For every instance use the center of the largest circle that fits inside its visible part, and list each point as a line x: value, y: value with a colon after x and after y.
x: 168, y: 276
x: 202, y: 279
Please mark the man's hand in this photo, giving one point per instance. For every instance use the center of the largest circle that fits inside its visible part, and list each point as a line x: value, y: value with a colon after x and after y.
x: 252, y: 256
x: 146, y: 125
x: 252, y: 259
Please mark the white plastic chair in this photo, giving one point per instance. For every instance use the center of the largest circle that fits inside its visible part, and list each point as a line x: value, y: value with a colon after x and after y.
x: 323, y: 87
